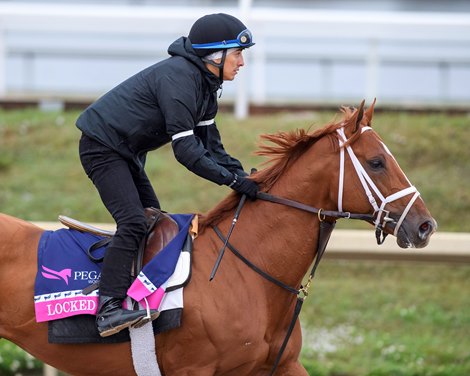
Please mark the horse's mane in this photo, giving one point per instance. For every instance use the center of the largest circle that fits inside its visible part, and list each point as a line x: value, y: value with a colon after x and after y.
x: 287, y: 148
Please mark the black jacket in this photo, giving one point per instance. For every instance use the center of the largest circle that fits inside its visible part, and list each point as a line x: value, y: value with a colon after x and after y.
x: 173, y: 99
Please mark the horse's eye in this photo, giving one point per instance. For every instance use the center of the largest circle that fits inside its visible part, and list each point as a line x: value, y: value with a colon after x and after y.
x: 376, y: 163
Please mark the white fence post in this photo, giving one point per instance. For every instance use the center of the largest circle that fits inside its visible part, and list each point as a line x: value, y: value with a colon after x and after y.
x: 3, y: 59
x: 372, y: 70
x: 258, y: 60
x: 241, y: 100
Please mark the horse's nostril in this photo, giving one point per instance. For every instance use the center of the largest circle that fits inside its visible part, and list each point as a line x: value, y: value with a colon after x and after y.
x: 425, y: 229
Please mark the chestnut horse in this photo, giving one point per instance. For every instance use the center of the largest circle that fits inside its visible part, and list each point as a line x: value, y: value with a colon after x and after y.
x: 235, y: 324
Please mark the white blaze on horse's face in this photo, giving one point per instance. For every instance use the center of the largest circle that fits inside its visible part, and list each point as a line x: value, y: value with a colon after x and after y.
x: 387, y: 150
x: 373, y: 193
x: 391, y: 155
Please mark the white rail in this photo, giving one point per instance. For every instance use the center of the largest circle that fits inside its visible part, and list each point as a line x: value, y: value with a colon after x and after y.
x: 305, y: 46
x: 361, y: 244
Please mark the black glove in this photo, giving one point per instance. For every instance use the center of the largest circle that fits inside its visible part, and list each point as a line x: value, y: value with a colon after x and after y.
x: 244, y: 186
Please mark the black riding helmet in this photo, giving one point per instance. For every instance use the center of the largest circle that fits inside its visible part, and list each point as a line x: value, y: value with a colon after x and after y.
x: 216, y: 32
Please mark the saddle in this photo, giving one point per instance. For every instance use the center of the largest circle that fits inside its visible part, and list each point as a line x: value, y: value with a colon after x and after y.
x: 161, y: 229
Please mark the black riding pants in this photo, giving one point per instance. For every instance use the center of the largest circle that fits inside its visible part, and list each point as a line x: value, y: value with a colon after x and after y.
x: 125, y: 192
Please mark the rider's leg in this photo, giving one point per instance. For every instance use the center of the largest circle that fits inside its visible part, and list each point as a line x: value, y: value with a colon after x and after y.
x: 114, y: 180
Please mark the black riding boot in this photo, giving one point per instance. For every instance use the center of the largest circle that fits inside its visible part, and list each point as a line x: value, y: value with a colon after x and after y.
x: 112, y: 318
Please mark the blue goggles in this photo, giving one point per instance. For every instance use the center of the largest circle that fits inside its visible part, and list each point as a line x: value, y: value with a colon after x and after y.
x: 244, y: 39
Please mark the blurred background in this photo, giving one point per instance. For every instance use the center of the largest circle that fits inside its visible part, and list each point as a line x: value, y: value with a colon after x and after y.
x: 408, y: 53
x: 374, y: 311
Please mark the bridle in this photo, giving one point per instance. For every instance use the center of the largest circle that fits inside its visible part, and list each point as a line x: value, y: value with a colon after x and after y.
x: 382, y: 216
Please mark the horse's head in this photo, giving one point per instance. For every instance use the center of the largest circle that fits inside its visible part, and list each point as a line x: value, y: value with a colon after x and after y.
x: 346, y: 169
x: 371, y: 181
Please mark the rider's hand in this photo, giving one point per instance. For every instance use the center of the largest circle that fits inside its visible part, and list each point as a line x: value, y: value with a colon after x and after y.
x: 244, y: 186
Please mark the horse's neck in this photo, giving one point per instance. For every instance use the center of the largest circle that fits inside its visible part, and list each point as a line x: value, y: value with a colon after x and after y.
x: 285, y: 238
x: 287, y: 241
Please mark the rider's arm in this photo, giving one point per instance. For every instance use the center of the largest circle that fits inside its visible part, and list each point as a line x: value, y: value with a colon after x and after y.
x: 179, y: 105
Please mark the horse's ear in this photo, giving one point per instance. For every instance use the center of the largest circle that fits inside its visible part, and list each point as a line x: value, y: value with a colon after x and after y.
x: 358, y: 116
x: 370, y: 112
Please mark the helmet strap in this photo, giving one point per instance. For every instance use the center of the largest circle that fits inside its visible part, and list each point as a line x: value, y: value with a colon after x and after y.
x: 220, y: 65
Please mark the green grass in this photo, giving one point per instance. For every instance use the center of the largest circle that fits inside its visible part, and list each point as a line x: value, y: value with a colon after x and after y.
x: 14, y: 361
x: 381, y: 318
x: 361, y: 318
x: 41, y: 175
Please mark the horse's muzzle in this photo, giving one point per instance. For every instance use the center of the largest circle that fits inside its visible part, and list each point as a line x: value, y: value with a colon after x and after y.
x: 417, y: 237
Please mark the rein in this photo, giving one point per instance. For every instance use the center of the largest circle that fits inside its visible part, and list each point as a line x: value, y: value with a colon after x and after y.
x: 320, y: 212
x: 325, y: 230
